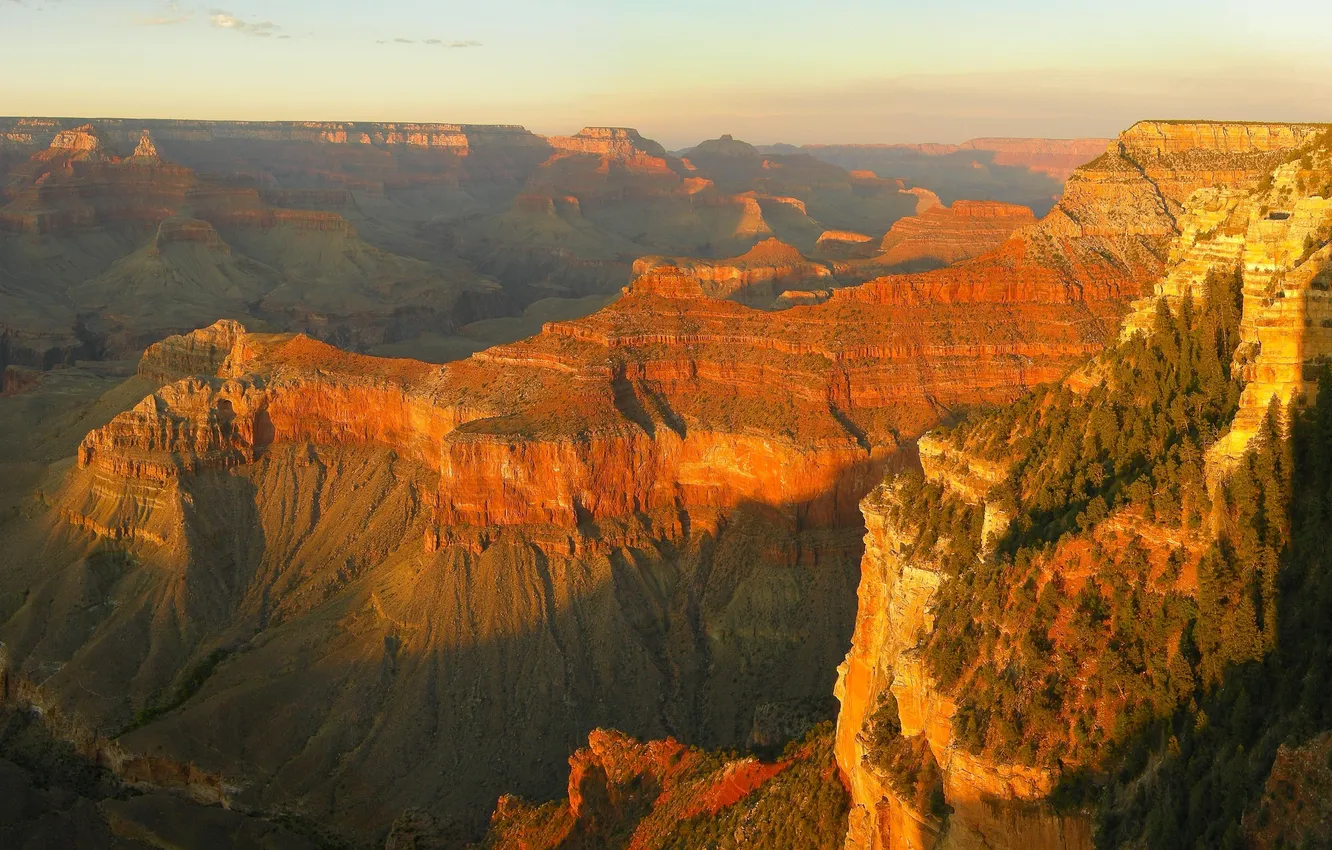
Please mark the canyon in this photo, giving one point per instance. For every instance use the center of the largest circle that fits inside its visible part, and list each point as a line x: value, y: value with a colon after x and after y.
x: 435, y: 579
x: 428, y: 240
x: 643, y: 480
x: 941, y: 236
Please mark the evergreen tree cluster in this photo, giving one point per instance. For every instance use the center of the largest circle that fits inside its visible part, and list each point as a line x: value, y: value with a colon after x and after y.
x: 1211, y: 757
x: 1047, y: 673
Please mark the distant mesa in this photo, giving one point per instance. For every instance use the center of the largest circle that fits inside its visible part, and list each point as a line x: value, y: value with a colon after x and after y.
x: 844, y: 245
x: 179, y: 229
x: 843, y: 236
x: 81, y: 140
x: 608, y: 141
x: 925, y: 199
x: 725, y: 146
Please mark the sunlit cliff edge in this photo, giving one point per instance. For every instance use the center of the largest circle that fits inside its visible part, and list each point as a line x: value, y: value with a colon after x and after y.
x: 1235, y: 199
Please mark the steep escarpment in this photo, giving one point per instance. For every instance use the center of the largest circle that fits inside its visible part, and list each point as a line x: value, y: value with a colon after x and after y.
x: 1053, y: 615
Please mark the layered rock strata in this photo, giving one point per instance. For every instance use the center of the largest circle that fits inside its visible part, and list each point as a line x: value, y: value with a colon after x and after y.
x: 944, y: 235
x: 1272, y: 230
x: 105, y: 253
x: 769, y: 266
x: 661, y: 499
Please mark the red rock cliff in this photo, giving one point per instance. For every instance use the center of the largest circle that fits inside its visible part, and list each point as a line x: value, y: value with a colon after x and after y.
x: 1146, y: 187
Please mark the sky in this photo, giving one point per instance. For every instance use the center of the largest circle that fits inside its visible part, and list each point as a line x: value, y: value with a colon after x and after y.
x: 833, y: 71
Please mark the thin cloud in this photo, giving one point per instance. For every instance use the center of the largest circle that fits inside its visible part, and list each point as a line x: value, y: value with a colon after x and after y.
x: 170, y: 15
x: 226, y: 21
x: 433, y: 42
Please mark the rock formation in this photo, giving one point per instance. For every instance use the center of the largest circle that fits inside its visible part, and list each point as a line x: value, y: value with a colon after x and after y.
x: 1240, y: 200
x: 412, y: 223
x: 769, y: 266
x: 1028, y: 172
x: 16, y: 379
x: 1058, y: 158
x: 619, y: 142
x: 943, y: 235
x: 662, y: 794
x: 109, y: 253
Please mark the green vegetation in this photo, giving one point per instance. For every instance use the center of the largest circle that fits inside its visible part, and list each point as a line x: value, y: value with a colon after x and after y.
x: 908, y: 762
x: 1137, y: 438
x: 1063, y: 649
x: 1048, y: 671
x: 1211, y: 758
x: 185, y: 690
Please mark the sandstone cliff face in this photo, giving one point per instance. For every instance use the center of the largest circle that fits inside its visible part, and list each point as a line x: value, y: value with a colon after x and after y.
x: 991, y: 805
x: 16, y: 379
x: 1223, y: 229
x: 1274, y: 237
x: 619, y: 142
x: 202, y: 352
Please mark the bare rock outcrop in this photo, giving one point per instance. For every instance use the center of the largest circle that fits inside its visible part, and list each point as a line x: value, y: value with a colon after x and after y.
x: 770, y: 264
x: 944, y: 235
x: 651, y: 794
x: 201, y: 352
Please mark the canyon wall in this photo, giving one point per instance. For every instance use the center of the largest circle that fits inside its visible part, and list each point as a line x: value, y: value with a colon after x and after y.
x: 1236, y: 200
x: 459, y: 138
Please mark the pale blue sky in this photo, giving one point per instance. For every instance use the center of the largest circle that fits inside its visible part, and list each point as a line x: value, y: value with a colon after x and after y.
x: 782, y: 70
